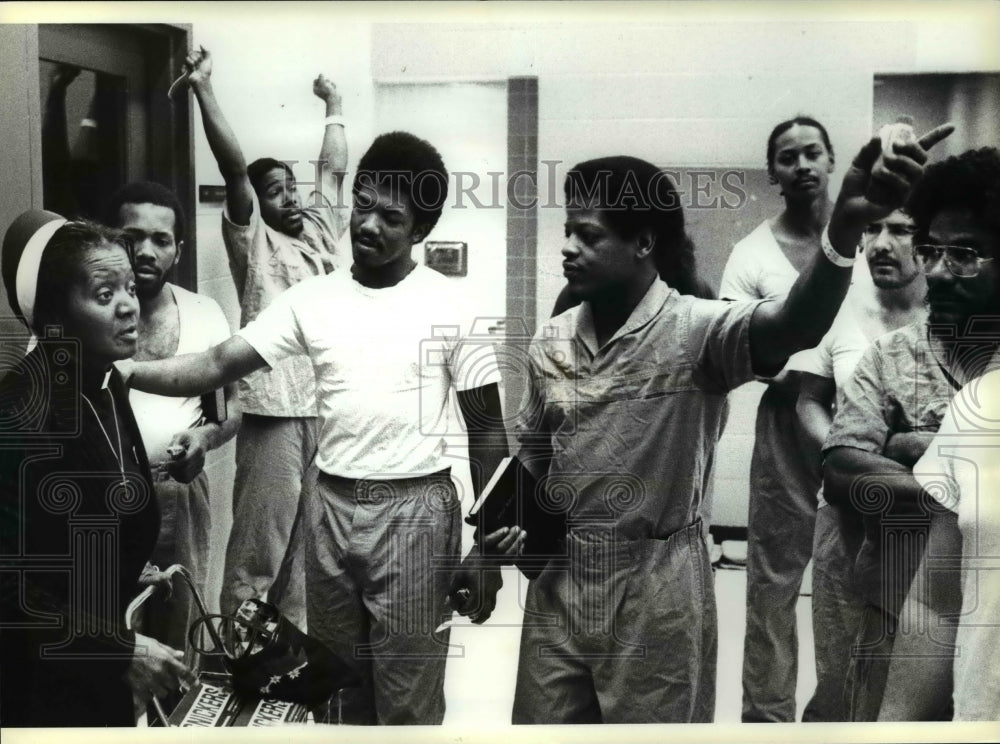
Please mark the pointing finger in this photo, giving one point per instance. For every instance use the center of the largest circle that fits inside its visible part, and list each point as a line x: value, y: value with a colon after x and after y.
x: 936, y: 135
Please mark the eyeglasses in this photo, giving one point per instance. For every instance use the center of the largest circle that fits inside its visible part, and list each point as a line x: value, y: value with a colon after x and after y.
x: 961, y: 261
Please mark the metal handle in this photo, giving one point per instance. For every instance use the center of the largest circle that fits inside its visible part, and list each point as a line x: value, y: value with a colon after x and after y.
x: 149, y: 591
x: 145, y: 594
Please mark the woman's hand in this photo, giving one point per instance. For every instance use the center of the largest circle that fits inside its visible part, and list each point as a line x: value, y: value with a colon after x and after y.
x: 156, y: 670
x: 161, y: 580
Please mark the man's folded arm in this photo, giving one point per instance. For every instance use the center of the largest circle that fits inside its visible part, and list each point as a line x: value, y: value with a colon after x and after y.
x: 847, y: 471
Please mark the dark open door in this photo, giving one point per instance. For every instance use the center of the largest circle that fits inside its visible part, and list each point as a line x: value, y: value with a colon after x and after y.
x: 106, y: 118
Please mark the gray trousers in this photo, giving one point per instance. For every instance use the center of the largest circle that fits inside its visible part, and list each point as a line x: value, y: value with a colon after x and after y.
x: 379, y: 559
x: 274, y: 464
x: 627, y: 633
x: 837, y: 608
x: 781, y: 519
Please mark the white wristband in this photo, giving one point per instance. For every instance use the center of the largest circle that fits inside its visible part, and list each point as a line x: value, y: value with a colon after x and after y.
x: 831, y: 253
x: 88, y: 123
x: 335, y: 119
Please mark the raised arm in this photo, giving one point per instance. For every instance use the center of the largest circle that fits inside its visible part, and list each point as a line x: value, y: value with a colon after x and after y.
x: 56, y: 164
x: 779, y: 329
x: 221, y: 139
x: 333, y: 152
x: 193, y: 374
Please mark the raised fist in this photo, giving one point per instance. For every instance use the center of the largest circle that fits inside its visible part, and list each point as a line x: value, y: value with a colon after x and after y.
x: 63, y: 75
x: 325, y: 89
x: 198, y: 66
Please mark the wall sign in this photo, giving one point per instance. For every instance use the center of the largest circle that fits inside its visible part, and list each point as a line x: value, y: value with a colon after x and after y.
x: 448, y: 257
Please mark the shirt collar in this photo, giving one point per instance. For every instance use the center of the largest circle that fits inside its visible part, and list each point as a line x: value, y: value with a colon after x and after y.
x: 956, y: 375
x: 643, y: 313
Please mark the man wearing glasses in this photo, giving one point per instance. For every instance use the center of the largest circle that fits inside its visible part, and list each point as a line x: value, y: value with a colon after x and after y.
x: 893, y: 405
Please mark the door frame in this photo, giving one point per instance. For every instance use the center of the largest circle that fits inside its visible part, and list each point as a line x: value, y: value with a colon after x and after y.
x: 168, y: 125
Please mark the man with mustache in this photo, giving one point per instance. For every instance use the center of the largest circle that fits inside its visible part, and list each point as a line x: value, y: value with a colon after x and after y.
x: 274, y: 242
x: 177, y: 432
x: 621, y: 413
x: 888, y: 296
x: 894, y: 404
x: 781, y: 512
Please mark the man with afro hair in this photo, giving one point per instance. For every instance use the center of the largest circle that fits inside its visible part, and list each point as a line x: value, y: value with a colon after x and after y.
x: 891, y: 410
x: 383, y: 522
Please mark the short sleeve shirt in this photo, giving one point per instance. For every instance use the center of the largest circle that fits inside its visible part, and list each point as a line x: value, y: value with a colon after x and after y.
x: 900, y: 385
x: 839, y: 352
x: 629, y: 428
x: 757, y: 269
x: 385, y: 361
x: 264, y: 263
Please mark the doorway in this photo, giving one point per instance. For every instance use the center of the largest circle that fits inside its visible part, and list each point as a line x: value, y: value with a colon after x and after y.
x: 107, y: 121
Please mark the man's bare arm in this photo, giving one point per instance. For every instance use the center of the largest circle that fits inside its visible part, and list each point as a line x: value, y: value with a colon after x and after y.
x: 221, y: 138
x: 849, y: 470
x: 483, y: 415
x: 194, y: 374
x: 333, y: 152
x: 816, y: 395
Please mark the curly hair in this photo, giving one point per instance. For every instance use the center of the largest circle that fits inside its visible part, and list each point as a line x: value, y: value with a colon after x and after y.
x: 780, y: 129
x: 403, y: 160
x: 967, y: 181
x: 60, y: 267
x: 146, y: 192
x: 634, y: 195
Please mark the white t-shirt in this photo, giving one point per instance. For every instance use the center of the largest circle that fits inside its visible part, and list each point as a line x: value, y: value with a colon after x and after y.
x: 385, y: 362
x: 837, y: 354
x: 758, y: 269
x: 840, y: 350
x: 961, y: 470
x: 202, y: 326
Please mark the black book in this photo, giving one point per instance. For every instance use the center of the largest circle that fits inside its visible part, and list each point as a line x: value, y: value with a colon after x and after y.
x: 213, y: 406
x: 513, y: 496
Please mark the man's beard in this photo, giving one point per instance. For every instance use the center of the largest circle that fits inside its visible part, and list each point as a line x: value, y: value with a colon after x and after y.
x: 147, y: 291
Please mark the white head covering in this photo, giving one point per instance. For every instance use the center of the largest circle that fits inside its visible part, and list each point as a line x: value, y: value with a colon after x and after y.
x: 23, y: 247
